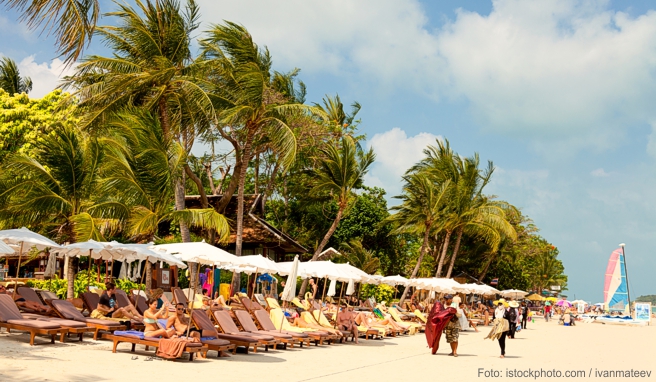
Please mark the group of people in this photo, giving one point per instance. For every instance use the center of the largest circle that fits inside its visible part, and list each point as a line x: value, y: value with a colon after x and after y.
x: 449, y: 316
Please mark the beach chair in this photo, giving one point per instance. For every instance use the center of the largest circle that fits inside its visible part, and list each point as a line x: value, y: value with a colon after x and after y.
x: 247, y: 323
x: 420, y: 316
x: 47, y: 295
x: 321, y: 319
x: 66, y: 310
x: 265, y: 323
x: 209, y: 335
x: 12, y: 319
x: 260, y: 299
x: 90, y: 301
x: 413, y: 327
x: 137, y: 338
x: 30, y: 294
x: 123, y: 301
x: 250, y: 306
x: 227, y: 326
x: 278, y: 319
x: 140, y: 304
x: 272, y: 303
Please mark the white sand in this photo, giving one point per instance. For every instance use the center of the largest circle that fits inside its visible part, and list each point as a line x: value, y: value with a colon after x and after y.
x: 585, y: 347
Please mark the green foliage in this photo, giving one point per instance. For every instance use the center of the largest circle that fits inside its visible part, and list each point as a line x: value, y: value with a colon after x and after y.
x: 26, y: 122
x: 128, y: 285
x: 10, y: 79
x: 59, y: 286
x: 380, y: 292
x: 648, y: 298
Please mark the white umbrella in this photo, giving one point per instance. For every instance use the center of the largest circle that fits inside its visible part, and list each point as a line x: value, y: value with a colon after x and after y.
x: 93, y: 249
x: 395, y: 280
x: 261, y: 263
x: 6, y: 249
x: 332, y: 289
x: 199, y: 252
x: 513, y: 293
x: 22, y: 236
x: 50, y: 267
x: 289, y: 292
x: 146, y: 252
x: 351, y: 288
x: 123, y: 274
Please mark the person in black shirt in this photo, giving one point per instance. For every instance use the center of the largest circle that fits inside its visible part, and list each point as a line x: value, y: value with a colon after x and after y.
x: 524, y: 313
x: 108, y: 306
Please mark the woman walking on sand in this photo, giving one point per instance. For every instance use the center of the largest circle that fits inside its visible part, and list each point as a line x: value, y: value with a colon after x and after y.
x: 500, y: 327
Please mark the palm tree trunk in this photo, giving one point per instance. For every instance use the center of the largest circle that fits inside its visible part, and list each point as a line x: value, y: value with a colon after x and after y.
x: 179, y: 206
x: 455, y: 253
x: 149, y: 275
x: 487, y: 266
x: 240, y: 203
x: 444, y: 249
x: 323, y: 243
x: 70, y: 287
x: 424, y: 247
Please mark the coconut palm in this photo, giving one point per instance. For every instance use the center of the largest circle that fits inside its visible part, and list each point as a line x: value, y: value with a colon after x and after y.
x: 356, y: 255
x: 10, y: 79
x: 252, y: 112
x: 151, y: 67
x: 142, y: 167
x: 420, y: 212
x: 72, y: 22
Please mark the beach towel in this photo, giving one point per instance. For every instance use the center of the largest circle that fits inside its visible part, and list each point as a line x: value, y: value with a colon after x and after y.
x: 171, y: 348
x: 130, y: 333
x: 438, y: 318
x: 499, y: 325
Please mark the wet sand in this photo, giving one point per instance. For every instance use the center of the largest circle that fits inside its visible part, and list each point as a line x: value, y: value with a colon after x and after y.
x: 587, y: 349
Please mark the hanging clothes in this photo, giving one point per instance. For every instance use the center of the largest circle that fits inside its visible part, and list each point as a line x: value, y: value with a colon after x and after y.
x: 207, y: 282
x: 437, y: 320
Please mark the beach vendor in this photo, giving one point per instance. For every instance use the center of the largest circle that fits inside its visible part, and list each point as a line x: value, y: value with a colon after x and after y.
x: 438, y: 318
x: 500, y: 327
x: 452, y: 328
x: 547, y: 310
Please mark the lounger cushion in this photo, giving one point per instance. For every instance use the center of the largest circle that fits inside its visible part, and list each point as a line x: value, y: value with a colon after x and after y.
x: 215, y: 342
x: 67, y: 310
x: 30, y: 295
x: 264, y: 320
x: 38, y: 324
x: 65, y: 323
x: 237, y: 337
x: 8, y: 309
x: 247, y: 323
x: 96, y: 321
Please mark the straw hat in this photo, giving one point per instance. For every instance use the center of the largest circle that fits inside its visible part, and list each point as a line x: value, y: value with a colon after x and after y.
x: 513, y: 304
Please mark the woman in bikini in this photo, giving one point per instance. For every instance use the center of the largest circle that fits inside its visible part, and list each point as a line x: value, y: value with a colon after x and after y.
x: 150, y: 321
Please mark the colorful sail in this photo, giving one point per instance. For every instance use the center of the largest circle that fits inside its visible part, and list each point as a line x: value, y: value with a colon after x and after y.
x: 615, y: 287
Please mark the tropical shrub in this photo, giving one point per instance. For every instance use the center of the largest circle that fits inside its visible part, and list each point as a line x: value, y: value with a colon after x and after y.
x: 380, y: 292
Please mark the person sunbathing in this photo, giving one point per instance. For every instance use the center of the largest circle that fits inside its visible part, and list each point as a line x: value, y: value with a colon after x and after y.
x: 301, y: 323
x: 346, y: 322
x: 108, y: 307
x: 29, y: 305
x: 363, y: 319
x: 221, y: 302
x: 151, y: 315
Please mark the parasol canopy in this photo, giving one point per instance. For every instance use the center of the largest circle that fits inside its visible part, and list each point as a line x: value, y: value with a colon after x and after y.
x: 513, y: 293
x: 564, y: 303
x: 395, y: 280
x: 5, y: 249
x: 259, y: 262
x: 535, y: 297
x: 199, y: 252
x: 289, y: 292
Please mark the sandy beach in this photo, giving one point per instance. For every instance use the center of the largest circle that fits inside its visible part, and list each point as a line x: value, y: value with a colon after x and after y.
x: 587, y: 349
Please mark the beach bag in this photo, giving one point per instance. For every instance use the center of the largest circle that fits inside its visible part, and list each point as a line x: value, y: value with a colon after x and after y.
x: 519, y: 328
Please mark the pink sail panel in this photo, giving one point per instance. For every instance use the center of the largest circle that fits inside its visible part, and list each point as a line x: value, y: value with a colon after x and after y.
x: 615, y: 288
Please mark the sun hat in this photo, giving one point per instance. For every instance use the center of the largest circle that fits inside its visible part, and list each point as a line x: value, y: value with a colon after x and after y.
x: 513, y: 304
x: 448, y: 297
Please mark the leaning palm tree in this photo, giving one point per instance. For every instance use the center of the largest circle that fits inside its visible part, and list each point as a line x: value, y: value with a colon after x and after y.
x: 10, y: 79
x: 340, y: 170
x: 420, y: 211
x: 358, y: 256
x: 252, y: 112
x: 141, y: 171
x: 72, y: 22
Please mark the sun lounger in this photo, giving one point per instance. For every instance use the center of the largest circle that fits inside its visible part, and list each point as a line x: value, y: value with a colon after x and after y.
x: 47, y: 295
x: 263, y: 319
x: 420, y: 316
x: 227, y: 326
x: 30, y: 294
x: 251, y: 306
x: 280, y: 322
x: 12, y: 319
x: 209, y: 333
x: 412, y: 326
x: 140, y: 304
x: 137, y: 338
x: 322, y: 320
x: 247, y: 323
x: 65, y: 309
x: 90, y: 301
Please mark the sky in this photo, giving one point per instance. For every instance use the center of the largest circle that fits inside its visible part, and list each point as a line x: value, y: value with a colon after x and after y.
x: 558, y: 94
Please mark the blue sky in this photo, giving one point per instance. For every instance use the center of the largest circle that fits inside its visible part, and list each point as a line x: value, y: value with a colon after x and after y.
x: 557, y: 93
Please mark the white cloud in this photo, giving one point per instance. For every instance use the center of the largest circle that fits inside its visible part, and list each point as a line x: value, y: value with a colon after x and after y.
x: 45, y: 76
x: 599, y: 173
x: 395, y: 154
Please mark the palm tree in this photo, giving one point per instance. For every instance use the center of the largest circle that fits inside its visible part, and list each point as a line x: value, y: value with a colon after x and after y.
x: 73, y: 22
x: 142, y: 167
x: 340, y: 169
x: 151, y: 67
x: 252, y: 113
x: 356, y: 255
x: 420, y: 211
x: 57, y: 190
x: 10, y: 79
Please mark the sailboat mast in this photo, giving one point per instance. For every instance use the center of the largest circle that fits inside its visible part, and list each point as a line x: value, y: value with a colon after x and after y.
x: 626, y: 272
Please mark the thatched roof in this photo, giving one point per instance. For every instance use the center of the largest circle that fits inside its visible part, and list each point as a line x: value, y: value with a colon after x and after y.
x: 257, y: 231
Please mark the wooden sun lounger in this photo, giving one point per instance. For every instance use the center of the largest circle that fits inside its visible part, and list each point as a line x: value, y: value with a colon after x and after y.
x: 65, y: 309
x: 227, y: 326
x: 317, y: 336
x: 191, y: 348
x: 247, y: 323
x: 265, y: 323
x: 204, y: 324
x: 12, y: 319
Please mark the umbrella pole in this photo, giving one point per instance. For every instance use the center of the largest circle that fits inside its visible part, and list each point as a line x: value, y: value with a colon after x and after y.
x: 20, y: 254
x: 323, y: 295
x: 89, y: 271
x: 193, y: 294
x: 143, y: 276
x: 341, y: 290
x: 254, y: 283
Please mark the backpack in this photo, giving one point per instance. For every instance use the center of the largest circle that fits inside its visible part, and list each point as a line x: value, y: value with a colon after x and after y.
x: 512, y: 315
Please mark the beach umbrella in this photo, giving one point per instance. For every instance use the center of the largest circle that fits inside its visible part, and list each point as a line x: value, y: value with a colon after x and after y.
x: 535, y: 297
x: 5, y: 249
x: 199, y: 252
x: 261, y: 265
x: 123, y: 274
x: 579, y: 302
x: 351, y: 288
x: 332, y: 289
x: 50, y: 267
x: 551, y: 299
x: 26, y: 240
x: 289, y: 292
x: 513, y: 293
x: 395, y: 280
x: 91, y: 248
x: 564, y: 303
